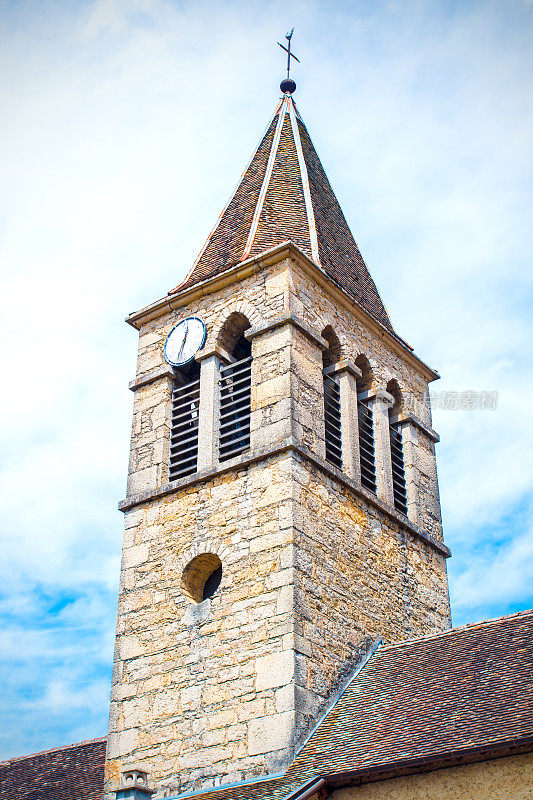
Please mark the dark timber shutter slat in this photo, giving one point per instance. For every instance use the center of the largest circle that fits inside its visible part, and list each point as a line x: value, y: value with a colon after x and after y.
x: 398, y: 470
x: 235, y: 391
x: 332, y: 421
x: 184, y: 434
x: 366, y: 445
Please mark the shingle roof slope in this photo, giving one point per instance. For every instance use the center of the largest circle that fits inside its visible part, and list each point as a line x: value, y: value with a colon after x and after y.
x: 468, y: 687
x: 284, y: 194
x: 75, y: 772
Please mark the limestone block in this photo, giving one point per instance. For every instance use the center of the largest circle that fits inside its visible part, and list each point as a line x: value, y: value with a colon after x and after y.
x: 261, y: 543
x: 285, y: 600
x: 133, y: 518
x: 250, y: 709
x: 275, y: 669
x: 121, y: 743
x: 222, y: 719
x: 142, y: 480
x: 282, y: 577
x: 270, y: 391
x: 276, y: 283
x: 285, y: 698
x: 130, y: 647
x: 191, y: 698
x: 135, y: 555
x: 271, y: 733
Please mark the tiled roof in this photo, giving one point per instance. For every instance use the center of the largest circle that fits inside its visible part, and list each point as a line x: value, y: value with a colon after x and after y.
x: 285, y: 195
x: 468, y: 688
x: 75, y: 772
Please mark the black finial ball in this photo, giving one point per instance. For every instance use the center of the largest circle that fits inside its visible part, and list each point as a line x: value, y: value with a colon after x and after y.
x: 287, y: 86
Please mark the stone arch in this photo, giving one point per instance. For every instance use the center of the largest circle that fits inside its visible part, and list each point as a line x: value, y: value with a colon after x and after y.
x: 232, y: 330
x: 214, y: 546
x: 393, y: 388
x: 333, y: 353
x: 242, y: 307
x: 366, y: 381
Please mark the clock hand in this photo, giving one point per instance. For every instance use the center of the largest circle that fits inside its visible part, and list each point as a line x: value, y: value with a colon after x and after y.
x: 183, y: 340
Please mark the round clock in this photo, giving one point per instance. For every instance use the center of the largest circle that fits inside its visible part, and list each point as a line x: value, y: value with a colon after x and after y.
x: 184, y: 341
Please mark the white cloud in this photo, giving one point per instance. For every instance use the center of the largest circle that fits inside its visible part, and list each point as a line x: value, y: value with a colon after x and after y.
x: 125, y: 126
x: 495, y: 576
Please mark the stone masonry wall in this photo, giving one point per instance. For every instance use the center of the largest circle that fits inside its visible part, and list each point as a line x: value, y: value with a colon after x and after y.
x: 222, y: 690
x: 201, y: 691
x: 358, y: 574
x: 279, y: 289
x: 318, y: 310
x: 226, y: 687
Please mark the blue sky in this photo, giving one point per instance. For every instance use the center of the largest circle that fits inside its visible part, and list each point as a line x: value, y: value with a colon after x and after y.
x: 126, y: 124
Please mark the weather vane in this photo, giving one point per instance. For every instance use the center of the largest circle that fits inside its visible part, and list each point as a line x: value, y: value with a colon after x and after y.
x: 288, y: 86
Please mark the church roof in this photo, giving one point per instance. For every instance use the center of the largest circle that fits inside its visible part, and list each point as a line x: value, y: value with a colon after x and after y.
x: 436, y: 699
x: 454, y: 697
x: 284, y: 195
x: 75, y: 772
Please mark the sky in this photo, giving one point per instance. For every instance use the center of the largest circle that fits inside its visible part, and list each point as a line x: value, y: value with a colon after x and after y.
x: 125, y: 126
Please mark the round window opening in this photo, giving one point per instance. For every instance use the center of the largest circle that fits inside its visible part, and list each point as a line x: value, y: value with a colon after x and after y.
x: 201, y: 577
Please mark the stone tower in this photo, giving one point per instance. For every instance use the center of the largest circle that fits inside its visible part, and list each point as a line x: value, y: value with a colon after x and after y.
x: 282, y: 503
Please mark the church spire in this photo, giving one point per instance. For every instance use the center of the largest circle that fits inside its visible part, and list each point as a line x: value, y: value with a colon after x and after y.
x: 283, y: 195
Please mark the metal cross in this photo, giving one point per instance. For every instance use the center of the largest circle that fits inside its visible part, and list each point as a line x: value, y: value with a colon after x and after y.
x: 290, y: 55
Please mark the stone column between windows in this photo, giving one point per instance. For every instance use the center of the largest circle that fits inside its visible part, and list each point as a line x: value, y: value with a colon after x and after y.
x: 412, y: 428
x: 209, y: 410
x: 346, y: 374
x: 381, y: 402
x: 287, y: 391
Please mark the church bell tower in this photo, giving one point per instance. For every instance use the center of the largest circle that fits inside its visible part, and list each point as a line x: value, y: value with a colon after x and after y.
x: 282, y: 507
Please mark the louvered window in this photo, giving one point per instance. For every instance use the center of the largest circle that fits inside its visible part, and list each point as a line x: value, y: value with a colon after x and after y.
x: 366, y: 445
x: 184, y: 435
x: 235, y: 388
x: 332, y: 421
x: 398, y: 470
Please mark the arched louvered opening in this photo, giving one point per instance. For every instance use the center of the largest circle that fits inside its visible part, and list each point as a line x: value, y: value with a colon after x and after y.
x: 367, y: 457
x: 235, y: 388
x: 332, y: 404
x: 184, y: 421
x: 396, y: 450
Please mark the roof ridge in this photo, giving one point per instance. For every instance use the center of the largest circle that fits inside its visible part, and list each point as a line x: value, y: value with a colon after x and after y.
x: 311, y: 220
x: 468, y: 626
x: 265, y: 183
x: 54, y: 750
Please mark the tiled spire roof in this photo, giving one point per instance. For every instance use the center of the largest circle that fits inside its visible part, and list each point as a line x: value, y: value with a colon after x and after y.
x: 284, y: 194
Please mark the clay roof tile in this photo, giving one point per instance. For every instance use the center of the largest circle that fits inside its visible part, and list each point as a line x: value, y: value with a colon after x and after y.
x: 284, y: 194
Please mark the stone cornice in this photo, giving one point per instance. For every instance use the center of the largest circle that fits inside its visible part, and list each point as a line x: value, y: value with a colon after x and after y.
x: 288, y: 445
x: 343, y: 366
x: 287, y: 319
x: 155, y: 374
x: 253, y: 265
x: 407, y: 418
x: 215, y: 350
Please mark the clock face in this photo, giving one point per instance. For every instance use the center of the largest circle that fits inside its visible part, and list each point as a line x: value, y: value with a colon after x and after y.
x: 184, y: 341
